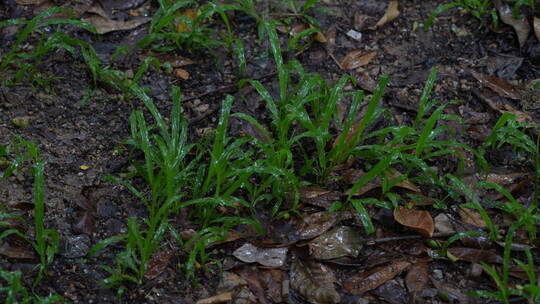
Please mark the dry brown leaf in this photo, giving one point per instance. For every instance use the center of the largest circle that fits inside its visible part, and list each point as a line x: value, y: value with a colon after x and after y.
x: 158, y: 263
x: 181, y: 73
x: 316, y: 224
x: 536, y: 25
x: 16, y: 252
x: 189, y: 13
x: 314, y: 282
x: 374, y: 278
x: 521, y: 26
x: 253, y: 278
x: 225, y: 297
x: 498, y: 85
x: 417, y: 277
x: 417, y: 220
x: 495, y: 102
x: 105, y: 25
x: 471, y: 216
x: 30, y: 2
x: 475, y: 255
x: 391, y: 13
x: 356, y: 59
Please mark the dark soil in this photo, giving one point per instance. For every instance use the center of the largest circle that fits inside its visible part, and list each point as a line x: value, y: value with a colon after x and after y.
x: 77, y: 124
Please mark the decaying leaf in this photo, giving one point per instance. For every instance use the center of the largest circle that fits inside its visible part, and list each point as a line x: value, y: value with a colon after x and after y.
x: 475, y: 255
x: 356, y: 59
x: 273, y: 280
x: 497, y: 103
x: 105, y: 25
x: 225, y: 297
x: 254, y: 282
x: 190, y: 14
x: 417, y: 220
x: 498, y: 85
x: 338, y: 242
x: 317, y: 223
x: 521, y: 26
x: 158, y: 263
x: 318, y: 197
x: 16, y: 252
x: 374, y: 278
x: 443, y: 223
x: 29, y: 2
x: 391, y: 13
x: 536, y: 25
x: 417, y: 277
x: 271, y: 257
x: 314, y: 282
x: 471, y: 216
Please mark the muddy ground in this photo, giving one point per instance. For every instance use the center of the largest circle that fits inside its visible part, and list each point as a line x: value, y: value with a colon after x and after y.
x: 77, y: 124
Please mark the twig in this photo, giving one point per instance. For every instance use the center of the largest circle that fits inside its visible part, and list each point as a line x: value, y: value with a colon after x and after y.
x: 407, y: 237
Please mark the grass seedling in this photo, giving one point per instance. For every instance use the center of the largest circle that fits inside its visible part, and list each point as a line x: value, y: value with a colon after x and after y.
x: 25, y: 63
x: 46, y: 243
x: 167, y: 171
x: 15, y: 292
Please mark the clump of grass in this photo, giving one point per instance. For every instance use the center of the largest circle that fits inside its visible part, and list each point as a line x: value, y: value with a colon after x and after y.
x: 15, y: 292
x: 24, y: 64
x: 46, y: 241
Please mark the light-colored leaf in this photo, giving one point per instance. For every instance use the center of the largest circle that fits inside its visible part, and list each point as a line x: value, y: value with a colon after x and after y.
x: 521, y: 26
x: 391, y: 13
x: 536, y: 25
x: 271, y: 257
x: 471, y: 216
x: 314, y: 282
x: 417, y: 277
x: 338, y: 242
x: 356, y: 59
x: 417, y: 220
x: 105, y: 25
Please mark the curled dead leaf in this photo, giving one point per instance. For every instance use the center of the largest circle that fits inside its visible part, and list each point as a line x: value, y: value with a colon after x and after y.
x: 391, y: 13
x: 417, y: 220
x: 105, y: 25
x: 314, y: 282
x: 368, y: 280
x: 498, y: 85
x: 536, y: 25
x: 356, y: 59
x: 417, y: 277
x: 521, y: 26
x: 181, y: 73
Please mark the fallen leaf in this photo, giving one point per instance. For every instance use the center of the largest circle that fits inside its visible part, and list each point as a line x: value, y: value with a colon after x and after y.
x: 521, y: 26
x: 338, y: 242
x: 225, y: 297
x: 368, y: 280
x: 498, y: 85
x: 17, y: 252
x: 498, y: 104
x: 536, y: 25
x: 356, y: 59
x: 391, y: 13
x: 157, y: 264
x: 315, y: 224
x: 273, y: 281
x: 190, y: 14
x: 475, y: 255
x: 318, y: 197
x: 253, y: 279
x: 314, y: 282
x: 417, y: 277
x: 105, y: 25
x: 443, y: 223
x: 417, y: 220
x: 30, y: 2
x: 181, y: 73
x: 271, y: 257
x: 471, y: 216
